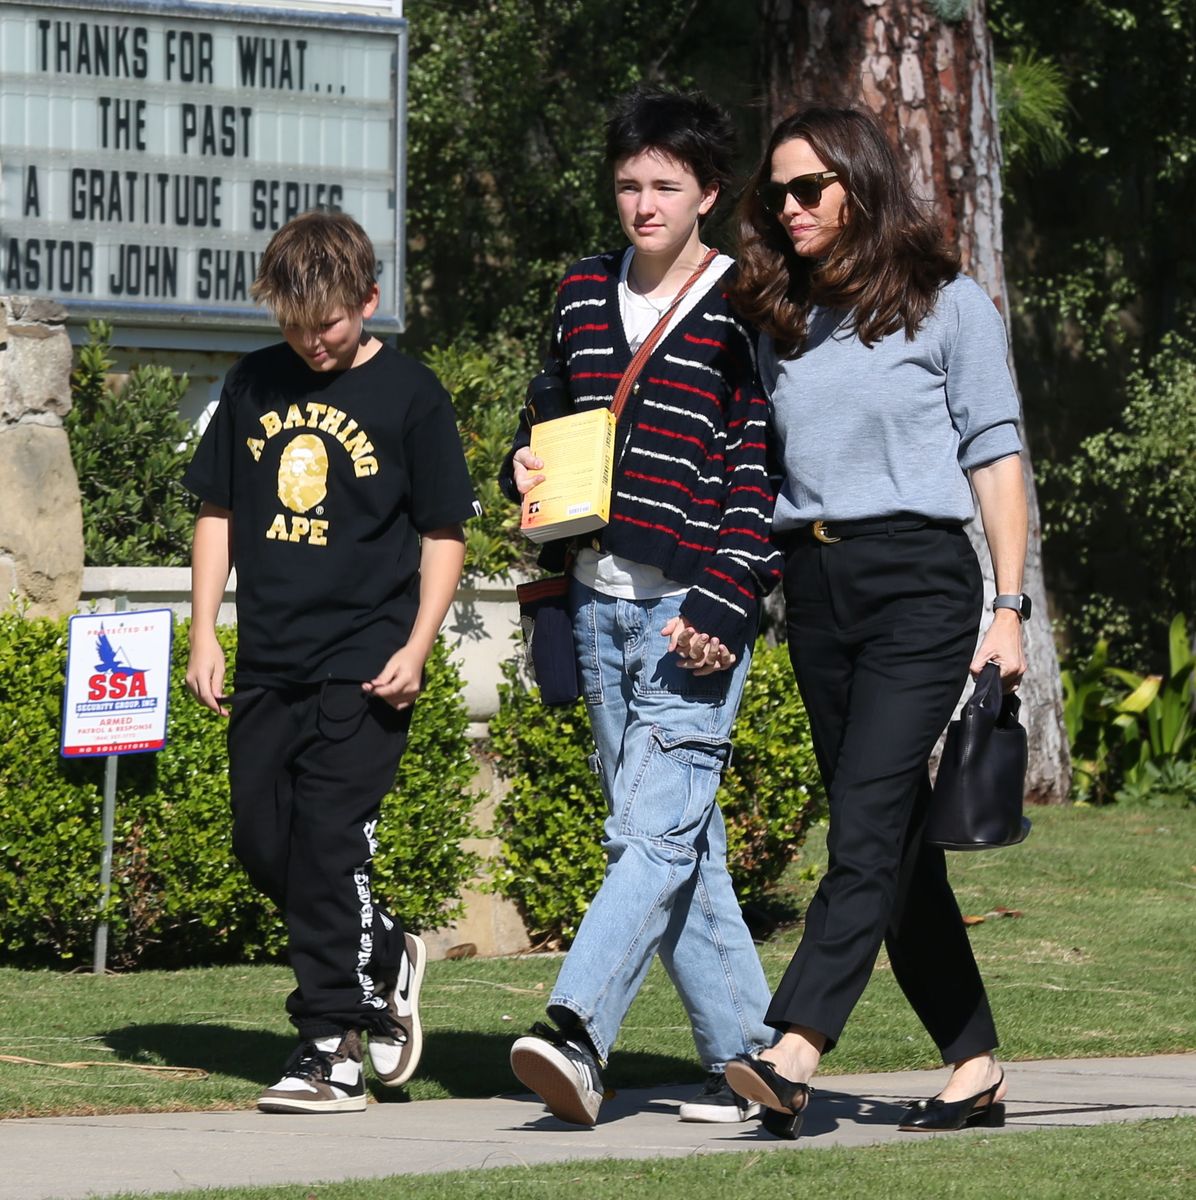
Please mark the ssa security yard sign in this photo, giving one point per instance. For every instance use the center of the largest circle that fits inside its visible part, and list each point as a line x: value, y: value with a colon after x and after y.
x: 117, y: 683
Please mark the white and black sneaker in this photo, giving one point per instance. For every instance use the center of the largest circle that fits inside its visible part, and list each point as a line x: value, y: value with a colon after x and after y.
x: 321, y: 1076
x: 394, y: 1057
x: 717, y: 1103
x: 561, y: 1070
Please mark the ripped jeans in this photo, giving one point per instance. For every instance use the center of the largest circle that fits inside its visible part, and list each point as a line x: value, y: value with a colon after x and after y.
x: 663, y: 739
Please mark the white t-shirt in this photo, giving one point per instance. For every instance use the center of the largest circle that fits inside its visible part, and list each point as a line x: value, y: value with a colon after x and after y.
x: 608, y: 573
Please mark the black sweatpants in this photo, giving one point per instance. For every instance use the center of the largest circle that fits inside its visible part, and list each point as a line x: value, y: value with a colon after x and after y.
x: 881, y: 631
x: 308, y: 768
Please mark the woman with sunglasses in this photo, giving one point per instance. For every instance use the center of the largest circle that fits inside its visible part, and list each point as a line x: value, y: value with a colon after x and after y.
x: 892, y: 401
x: 665, y: 604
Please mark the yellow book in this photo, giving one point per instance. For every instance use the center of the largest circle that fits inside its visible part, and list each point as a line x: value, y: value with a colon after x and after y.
x: 578, y: 452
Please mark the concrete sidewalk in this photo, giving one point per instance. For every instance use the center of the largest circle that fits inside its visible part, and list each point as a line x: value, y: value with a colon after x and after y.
x: 67, y: 1157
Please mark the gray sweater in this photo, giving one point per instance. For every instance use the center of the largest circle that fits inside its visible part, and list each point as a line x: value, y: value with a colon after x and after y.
x: 868, y: 432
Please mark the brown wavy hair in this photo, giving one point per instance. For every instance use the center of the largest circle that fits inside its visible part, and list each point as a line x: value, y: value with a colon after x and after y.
x: 887, y: 263
x: 317, y: 263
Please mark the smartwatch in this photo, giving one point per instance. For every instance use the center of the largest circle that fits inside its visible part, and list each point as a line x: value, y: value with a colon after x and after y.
x: 1020, y: 604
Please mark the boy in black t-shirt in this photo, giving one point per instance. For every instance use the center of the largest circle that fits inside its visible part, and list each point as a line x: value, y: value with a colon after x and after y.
x: 332, y: 476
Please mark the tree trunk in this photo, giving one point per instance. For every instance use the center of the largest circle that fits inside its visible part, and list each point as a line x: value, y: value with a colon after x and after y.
x: 930, y: 80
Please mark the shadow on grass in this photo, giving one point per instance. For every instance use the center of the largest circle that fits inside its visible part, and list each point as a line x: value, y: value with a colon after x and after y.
x: 252, y: 1054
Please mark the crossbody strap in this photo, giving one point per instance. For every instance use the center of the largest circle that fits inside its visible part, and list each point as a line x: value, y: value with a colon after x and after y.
x: 641, y: 356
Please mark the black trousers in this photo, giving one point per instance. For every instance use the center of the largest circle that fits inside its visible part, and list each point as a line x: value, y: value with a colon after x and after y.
x: 881, y: 631
x: 308, y: 768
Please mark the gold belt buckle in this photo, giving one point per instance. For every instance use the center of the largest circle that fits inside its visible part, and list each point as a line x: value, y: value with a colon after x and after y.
x: 819, y: 531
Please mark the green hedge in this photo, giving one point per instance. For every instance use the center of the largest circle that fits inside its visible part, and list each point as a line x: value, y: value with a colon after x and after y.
x: 178, y: 894
x: 550, y: 821
x: 130, y: 448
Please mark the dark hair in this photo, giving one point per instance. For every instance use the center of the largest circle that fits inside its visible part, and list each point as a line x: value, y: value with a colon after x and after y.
x: 887, y: 263
x: 685, y: 126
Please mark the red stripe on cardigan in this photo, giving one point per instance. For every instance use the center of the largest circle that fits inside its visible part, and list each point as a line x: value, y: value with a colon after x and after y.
x: 684, y: 387
x: 664, y: 529
x: 583, y: 329
x: 670, y: 483
x: 680, y: 437
x: 734, y: 583
x: 580, y: 279
x: 747, y: 487
x: 756, y: 537
x: 701, y: 341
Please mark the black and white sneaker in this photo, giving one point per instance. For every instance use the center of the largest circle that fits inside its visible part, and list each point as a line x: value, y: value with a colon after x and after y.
x: 395, y: 1057
x: 562, y: 1071
x: 321, y: 1076
x: 717, y: 1103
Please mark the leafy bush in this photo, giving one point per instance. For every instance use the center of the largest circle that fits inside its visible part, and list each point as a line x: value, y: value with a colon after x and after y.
x: 1136, y: 483
x: 1132, y: 736
x: 487, y: 386
x: 550, y: 821
x: 130, y: 449
x: 178, y: 894
x: 1156, y: 723
x: 1088, y: 719
x: 1169, y: 784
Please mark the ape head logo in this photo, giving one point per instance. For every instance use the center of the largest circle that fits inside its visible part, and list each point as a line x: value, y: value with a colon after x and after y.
x: 303, y: 473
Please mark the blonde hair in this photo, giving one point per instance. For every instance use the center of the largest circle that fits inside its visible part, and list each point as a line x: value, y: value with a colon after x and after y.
x: 317, y: 263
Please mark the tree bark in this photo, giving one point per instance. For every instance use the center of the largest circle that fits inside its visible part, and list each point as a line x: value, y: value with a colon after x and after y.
x: 930, y: 80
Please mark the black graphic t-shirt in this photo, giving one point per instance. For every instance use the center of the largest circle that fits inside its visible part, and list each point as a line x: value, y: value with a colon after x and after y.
x: 331, y: 478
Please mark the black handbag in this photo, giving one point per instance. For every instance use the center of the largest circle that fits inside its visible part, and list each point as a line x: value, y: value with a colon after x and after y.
x: 977, y: 803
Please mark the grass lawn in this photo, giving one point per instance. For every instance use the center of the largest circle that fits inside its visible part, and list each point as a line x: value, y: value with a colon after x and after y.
x: 1155, y: 1159
x: 1100, y: 963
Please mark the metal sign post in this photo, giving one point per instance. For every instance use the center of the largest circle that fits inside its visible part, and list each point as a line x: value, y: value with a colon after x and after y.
x: 99, y: 962
x: 108, y: 822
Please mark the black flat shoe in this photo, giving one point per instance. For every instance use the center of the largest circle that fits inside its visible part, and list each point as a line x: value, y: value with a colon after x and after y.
x: 784, y: 1100
x: 932, y: 1116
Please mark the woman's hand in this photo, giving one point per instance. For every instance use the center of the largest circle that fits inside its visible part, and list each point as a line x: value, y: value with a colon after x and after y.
x: 1002, y: 644
x: 526, y: 465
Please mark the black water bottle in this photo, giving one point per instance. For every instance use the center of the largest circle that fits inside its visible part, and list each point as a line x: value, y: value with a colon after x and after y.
x: 547, y: 398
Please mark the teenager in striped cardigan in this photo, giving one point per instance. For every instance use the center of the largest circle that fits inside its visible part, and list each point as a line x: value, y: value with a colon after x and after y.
x: 665, y: 605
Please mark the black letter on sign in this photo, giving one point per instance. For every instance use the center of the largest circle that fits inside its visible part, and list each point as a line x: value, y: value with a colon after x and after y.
x: 32, y: 203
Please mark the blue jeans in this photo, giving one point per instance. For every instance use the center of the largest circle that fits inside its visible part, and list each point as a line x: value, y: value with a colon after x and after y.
x: 663, y: 739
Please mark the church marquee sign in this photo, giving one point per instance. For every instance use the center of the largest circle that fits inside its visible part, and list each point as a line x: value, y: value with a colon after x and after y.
x: 149, y: 150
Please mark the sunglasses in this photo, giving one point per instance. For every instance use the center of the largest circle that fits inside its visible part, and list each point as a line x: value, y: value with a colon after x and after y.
x: 805, y: 189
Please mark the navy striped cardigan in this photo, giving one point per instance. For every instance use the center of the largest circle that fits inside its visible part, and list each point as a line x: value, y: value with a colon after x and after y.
x: 692, y: 493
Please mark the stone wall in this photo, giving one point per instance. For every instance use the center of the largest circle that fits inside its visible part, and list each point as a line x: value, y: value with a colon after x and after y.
x: 41, y: 518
